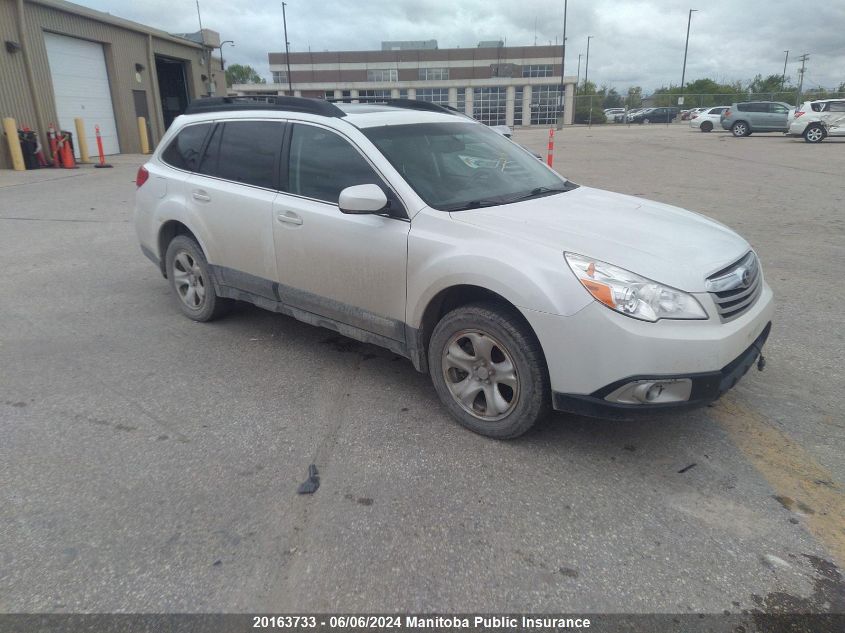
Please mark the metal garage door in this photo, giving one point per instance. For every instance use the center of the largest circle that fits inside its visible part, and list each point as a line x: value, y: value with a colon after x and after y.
x: 81, y: 87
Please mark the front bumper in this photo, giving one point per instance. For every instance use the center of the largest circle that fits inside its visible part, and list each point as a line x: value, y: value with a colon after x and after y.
x: 595, y: 350
x: 706, y: 387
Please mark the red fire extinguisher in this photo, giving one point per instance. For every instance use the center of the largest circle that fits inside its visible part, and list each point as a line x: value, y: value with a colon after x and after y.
x: 51, y: 135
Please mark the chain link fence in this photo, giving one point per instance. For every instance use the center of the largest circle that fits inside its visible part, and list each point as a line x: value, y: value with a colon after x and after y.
x: 590, y: 108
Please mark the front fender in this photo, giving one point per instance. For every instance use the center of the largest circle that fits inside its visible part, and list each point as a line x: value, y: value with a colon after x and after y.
x: 443, y: 253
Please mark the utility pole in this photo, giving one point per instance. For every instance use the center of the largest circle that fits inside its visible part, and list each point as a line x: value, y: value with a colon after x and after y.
x: 206, y: 57
x: 562, y: 62
x: 803, y: 59
x: 783, y: 76
x: 587, y: 62
x: 287, y: 47
x: 686, y: 47
x: 578, y: 76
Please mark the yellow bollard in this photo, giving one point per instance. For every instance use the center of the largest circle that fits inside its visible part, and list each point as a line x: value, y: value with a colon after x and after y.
x: 11, y: 129
x: 81, y: 142
x: 142, y: 132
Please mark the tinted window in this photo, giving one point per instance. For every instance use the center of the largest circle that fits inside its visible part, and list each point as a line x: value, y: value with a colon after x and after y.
x: 184, y: 150
x: 322, y: 164
x: 743, y: 107
x: 778, y: 108
x: 208, y: 164
x: 245, y: 151
x: 836, y: 106
x: 715, y: 111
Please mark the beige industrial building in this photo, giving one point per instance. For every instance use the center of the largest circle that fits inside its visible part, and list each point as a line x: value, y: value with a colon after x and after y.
x: 496, y: 84
x: 60, y: 61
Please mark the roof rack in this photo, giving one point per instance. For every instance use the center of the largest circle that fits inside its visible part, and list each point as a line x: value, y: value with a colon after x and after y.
x: 264, y: 102
x: 410, y: 104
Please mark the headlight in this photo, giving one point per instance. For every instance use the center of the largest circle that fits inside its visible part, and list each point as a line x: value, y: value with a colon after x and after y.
x: 631, y: 294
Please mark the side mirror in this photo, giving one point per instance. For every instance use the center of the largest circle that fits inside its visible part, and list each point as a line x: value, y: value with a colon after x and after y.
x: 362, y: 199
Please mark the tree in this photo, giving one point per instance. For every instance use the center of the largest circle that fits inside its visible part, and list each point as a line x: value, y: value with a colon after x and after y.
x: 612, y: 99
x: 238, y: 74
x: 635, y: 97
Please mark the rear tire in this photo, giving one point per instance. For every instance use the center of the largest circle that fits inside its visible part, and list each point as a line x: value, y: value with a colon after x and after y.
x: 814, y: 133
x: 191, y: 281
x: 707, y: 126
x: 646, y: 120
x: 740, y: 128
x: 489, y: 370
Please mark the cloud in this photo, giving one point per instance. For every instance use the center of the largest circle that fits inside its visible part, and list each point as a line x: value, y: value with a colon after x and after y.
x: 634, y: 42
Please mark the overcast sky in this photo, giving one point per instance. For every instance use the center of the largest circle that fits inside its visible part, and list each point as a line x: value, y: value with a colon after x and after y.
x: 634, y: 43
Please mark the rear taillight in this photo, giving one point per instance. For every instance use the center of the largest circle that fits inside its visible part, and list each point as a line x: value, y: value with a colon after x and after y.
x: 142, y: 176
x: 694, y: 116
x: 798, y: 113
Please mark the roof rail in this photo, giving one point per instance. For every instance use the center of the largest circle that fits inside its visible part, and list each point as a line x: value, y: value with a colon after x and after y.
x: 410, y: 104
x: 264, y: 102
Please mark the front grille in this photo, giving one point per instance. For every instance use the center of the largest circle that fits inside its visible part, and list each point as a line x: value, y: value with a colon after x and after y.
x: 735, y: 288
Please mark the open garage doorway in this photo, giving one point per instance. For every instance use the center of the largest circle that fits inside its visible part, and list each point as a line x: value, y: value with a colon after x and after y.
x: 172, y: 86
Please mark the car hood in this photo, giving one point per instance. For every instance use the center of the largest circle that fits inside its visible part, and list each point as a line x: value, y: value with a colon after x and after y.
x: 667, y: 244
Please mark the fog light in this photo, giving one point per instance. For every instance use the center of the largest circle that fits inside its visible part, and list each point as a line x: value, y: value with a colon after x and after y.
x: 652, y: 391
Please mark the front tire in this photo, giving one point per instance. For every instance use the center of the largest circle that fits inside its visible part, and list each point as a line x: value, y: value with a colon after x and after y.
x: 190, y: 279
x: 646, y: 120
x: 707, y: 126
x: 489, y: 370
x: 814, y: 134
x: 740, y: 128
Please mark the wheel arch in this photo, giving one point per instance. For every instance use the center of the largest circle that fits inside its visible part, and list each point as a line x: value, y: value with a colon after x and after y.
x: 169, y: 230
x: 448, y: 299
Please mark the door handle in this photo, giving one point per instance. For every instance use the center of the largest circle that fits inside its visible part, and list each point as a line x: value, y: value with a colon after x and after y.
x: 200, y: 195
x: 289, y: 217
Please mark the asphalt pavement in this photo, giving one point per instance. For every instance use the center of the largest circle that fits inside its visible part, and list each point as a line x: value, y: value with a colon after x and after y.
x: 150, y: 464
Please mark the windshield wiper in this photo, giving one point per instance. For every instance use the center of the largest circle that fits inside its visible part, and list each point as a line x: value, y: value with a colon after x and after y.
x: 475, y: 204
x: 544, y: 191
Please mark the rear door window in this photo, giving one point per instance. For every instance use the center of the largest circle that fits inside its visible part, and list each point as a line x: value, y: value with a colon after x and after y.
x: 184, y: 150
x: 778, y: 108
x: 836, y: 106
x: 246, y: 152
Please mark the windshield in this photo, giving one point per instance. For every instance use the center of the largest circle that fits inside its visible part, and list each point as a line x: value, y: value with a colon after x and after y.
x: 463, y: 165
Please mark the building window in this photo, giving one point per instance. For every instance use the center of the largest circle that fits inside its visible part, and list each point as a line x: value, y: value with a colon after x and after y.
x: 545, y: 105
x: 462, y: 100
x: 434, y: 95
x: 517, y: 107
x: 403, y: 93
x: 280, y: 77
x: 538, y: 70
x: 329, y: 94
x: 489, y: 105
x: 383, y: 74
x: 374, y: 95
x: 433, y: 74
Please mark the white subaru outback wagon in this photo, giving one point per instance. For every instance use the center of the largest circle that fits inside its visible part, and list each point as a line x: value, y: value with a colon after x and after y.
x: 413, y: 227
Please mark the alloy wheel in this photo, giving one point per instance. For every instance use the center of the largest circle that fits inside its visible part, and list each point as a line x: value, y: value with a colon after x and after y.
x: 189, y: 280
x: 814, y: 134
x: 480, y: 375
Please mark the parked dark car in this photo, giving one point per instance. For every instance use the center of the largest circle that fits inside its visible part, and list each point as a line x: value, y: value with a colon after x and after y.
x: 655, y: 115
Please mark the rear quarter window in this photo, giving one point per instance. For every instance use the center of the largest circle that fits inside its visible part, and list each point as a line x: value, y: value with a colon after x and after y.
x: 183, y: 152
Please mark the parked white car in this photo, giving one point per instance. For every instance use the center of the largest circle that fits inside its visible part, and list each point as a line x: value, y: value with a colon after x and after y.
x: 707, y: 119
x: 425, y: 232
x: 816, y: 120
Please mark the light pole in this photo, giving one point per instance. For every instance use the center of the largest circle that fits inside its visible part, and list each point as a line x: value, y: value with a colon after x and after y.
x: 562, y: 62
x: 222, y: 44
x: 587, y: 62
x: 287, y: 47
x: 578, y: 76
x: 783, y: 76
x: 686, y: 47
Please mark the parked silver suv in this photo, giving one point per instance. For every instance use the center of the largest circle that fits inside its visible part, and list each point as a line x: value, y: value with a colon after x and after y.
x: 756, y: 116
x: 421, y: 230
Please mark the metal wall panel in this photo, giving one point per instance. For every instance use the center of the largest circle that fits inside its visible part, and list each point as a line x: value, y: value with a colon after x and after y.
x: 123, y: 48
